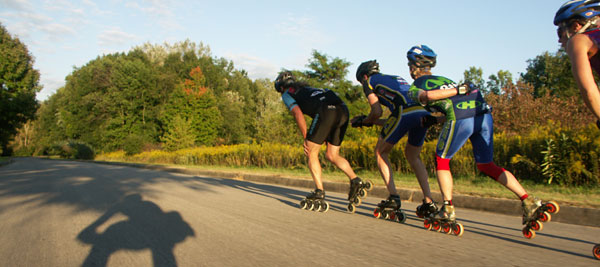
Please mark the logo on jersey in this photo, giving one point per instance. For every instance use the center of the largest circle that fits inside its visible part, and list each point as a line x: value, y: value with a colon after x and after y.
x: 439, y: 83
x: 315, y: 93
x: 468, y: 104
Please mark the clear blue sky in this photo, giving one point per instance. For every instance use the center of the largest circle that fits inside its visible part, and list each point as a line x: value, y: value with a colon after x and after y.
x: 263, y: 37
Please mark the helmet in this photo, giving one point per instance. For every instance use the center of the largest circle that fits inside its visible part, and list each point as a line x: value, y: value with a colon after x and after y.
x: 421, y: 56
x: 284, y: 80
x: 577, y: 8
x: 367, y: 68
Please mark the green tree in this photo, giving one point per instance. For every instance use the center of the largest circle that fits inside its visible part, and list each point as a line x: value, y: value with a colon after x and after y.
x: 191, y: 100
x: 497, y: 83
x: 550, y: 73
x: 179, y: 135
x: 475, y: 75
x: 18, y: 87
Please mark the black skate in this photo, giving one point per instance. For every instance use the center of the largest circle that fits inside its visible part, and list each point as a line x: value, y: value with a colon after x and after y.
x: 426, y: 209
x: 534, y: 213
x: 444, y: 221
x: 389, y: 209
x: 358, y: 190
x: 315, y: 201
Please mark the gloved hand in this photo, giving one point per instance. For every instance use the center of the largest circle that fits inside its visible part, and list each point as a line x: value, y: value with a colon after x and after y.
x: 358, y: 121
x: 466, y: 88
x: 428, y: 120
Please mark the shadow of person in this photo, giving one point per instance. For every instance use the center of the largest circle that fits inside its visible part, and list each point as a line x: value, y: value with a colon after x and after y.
x: 146, y: 227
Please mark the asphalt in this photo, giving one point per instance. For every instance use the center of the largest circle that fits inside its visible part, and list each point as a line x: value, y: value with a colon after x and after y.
x: 567, y: 214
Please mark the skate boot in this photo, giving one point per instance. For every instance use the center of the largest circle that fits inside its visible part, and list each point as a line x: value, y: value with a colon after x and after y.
x: 426, y: 209
x: 534, y: 213
x: 389, y: 209
x: 358, y: 190
x: 315, y: 201
x: 444, y: 221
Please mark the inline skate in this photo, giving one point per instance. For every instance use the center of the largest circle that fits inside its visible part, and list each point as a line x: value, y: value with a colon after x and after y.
x: 426, y: 209
x: 534, y: 213
x: 444, y: 221
x: 389, y: 209
x: 596, y: 251
x: 358, y: 190
x: 315, y: 201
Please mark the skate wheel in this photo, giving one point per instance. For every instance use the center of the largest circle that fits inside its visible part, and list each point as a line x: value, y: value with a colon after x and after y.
x: 552, y: 207
x: 357, y: 201
x: 388, y: 215
x: 596, y: 251
x: 436, y: 226
x: 311, y: 206
x: 527, y: 233
x: 351, y: 208
x: 362, y: 193
x: 324, y: 207
x: 446, y: 228
x: 303, y: 204
x: 427, y: 224
x: 458, y: 229
x: 369, y: 185
x: 545, y: 217
x: 400, y: 216
x: 536, y: 225
x: 377, y: 213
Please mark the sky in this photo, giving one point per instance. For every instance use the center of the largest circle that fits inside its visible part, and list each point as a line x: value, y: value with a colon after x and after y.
x: 264, y: 37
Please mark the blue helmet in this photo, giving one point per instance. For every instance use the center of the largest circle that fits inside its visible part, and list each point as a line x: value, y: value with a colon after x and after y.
x: 421, y: 56
x: 577, y: 8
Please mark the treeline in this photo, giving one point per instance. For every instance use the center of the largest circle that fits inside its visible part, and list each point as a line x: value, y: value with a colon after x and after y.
x: 176, y: 97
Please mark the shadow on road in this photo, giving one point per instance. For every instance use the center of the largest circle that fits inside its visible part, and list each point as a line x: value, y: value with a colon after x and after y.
x: 146, y: 227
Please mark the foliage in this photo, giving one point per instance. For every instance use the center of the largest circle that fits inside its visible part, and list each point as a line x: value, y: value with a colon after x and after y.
x: 550, y: 73
x: 18, y: 87
x: 179, y: 135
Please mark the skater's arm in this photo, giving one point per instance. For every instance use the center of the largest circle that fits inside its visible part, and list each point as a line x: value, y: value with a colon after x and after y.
x: 300, y: 121
x: 577, y: 49
x: 376, y: 110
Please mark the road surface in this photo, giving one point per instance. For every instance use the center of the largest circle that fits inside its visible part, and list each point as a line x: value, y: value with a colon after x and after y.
x: 63, y: 213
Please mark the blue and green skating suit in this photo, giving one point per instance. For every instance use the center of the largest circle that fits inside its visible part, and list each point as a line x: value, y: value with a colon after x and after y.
x: 392, y: 91
x: 467, y: 117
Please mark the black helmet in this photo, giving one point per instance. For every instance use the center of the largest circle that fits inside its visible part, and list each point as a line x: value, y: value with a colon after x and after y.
x: 367, y: 68
x: 421, y: 56
x: 285, y: 79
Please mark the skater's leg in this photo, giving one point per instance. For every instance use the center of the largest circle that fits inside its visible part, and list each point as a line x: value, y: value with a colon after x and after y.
x: 333, y: 155
x: 502, y: 176
x: 312, y: 151
x: 382, y: 151
x: 412, y: 155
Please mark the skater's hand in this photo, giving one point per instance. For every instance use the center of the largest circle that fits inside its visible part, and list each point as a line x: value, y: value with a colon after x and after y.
x: 466, y: 88
x: 428, y: 120
x: 358, y: 121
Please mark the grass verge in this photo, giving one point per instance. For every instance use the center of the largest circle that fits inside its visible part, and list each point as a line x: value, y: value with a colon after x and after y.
x: 588, y: 197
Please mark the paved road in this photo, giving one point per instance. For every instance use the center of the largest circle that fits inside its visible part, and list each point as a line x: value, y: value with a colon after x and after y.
x: 61, y: 213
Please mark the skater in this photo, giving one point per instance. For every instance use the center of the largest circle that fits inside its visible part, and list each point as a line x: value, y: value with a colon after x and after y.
x: 407, y: 117
x: 468, y: 116
x: 579, y: 33
x: 330, y: 120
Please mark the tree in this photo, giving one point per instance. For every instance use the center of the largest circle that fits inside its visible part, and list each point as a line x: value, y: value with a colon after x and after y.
x: 475, y: 75
x: 193, y: 101
x: 551, y: 73
x: 497, y: 83
x: 19, y: 83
